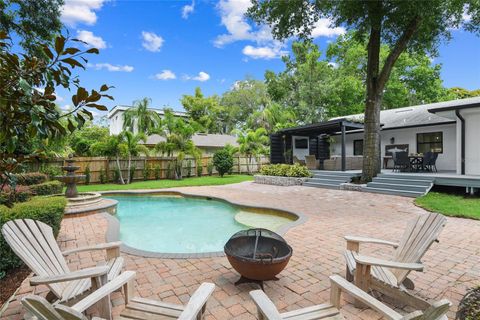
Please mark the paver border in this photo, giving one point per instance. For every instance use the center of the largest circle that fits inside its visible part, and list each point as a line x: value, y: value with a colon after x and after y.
x: 113, y: 226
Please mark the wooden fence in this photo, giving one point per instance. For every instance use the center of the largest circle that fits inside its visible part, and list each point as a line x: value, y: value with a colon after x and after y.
x: 161, y: 166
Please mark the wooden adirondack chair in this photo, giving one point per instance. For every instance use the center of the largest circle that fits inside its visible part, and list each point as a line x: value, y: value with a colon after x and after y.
x: 136, y: 308
x: 330, y: 311
x: 34, y: 243
x: 390, y: 276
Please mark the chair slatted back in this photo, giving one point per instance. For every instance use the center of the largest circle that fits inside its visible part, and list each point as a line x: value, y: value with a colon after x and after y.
x: 417, y: 239
x: 43, y: 310
x: 34, y: 243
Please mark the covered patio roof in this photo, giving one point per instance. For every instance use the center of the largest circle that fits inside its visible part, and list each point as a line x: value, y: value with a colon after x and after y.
x: 327, y: 127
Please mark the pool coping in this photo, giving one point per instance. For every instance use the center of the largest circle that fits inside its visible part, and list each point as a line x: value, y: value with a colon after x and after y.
x: 113, y: 225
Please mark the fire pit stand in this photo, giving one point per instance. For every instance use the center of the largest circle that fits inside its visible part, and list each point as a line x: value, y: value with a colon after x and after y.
x: 258, y: 255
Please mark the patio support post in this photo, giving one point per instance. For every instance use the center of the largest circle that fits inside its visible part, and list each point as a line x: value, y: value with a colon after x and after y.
x: 344, y: 159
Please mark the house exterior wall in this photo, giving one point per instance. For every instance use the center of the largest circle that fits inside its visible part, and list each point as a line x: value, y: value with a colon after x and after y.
x: 300, y: 153
x: 446, y: 161
x: 116, y: 123
x: 472, y: 140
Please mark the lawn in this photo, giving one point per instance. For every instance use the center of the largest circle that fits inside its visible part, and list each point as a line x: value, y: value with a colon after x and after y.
x: 159, y: 184
x: 451, y: 204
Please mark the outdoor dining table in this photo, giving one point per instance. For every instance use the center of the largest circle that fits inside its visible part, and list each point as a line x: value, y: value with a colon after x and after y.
x: 416, y: 162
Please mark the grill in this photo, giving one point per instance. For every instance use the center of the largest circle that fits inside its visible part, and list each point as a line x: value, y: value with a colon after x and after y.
x: 258, y: 255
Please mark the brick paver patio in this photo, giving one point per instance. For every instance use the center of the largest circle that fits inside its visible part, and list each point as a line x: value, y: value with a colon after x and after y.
x: 452, y: 265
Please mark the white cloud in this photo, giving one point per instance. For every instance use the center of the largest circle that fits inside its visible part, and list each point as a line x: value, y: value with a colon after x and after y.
x: 165, y: 75
x: 80, y: 11
x: 263, y: 52
x: 151, y: 41
x: 187, y: 10
x: 323, y: 29
x: 232, y: 14
x: 91, y: 39
x: 113, y: 68
x: 202, y: 76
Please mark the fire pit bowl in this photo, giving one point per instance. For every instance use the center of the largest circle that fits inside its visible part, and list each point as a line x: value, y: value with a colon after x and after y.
x: 257, y: 254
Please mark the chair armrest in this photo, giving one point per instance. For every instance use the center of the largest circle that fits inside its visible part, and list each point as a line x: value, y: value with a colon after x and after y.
x: 75, y: 275
x: 339, y: 283
x: 105, y: 290
x: 101, y: 246
x: 370, y: 240
x: 386, y: 263
x: 265, y: 305
x: 197, y: 302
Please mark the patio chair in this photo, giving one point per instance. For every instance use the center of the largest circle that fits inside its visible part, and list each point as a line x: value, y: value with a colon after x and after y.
x: 401, y: 162
x: 312, y: 162
x: 430, y: 162
x: 390, y: 276
x: 34, y: 243
x: 135, y: 308
x: 268, y: 311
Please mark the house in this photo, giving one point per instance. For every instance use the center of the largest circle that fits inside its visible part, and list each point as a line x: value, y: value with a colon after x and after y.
x: 207, y: 143
x: 450, y: 128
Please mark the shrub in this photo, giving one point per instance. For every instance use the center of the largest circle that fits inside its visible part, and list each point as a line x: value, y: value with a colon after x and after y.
x: 51, y: 171
x: 285, y: 170
x: 8, y: 196
x: 210, y: 168
x: 469, y: 307
x: 189, y: 168
x: 157, y: 172
x: 132, y: 173
x: 30, y: 178
x: 87, y: 175
x: 199, y: 167
x: 116, y: 175
x: 102, y: 176
x: 46, y: 209
x: 146, y: 172
x: 47, y: 188
x: 223, y: 161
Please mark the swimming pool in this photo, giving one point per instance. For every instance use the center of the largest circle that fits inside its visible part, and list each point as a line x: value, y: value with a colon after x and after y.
x: 175, y: 224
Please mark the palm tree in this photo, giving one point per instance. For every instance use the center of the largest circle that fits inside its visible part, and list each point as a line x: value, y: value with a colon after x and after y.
x: 130, y: 146
x: 140, y: 118
x: 112, y: 147
x: 272, y: 118
x: 252, y: 144
x: 178, y: 140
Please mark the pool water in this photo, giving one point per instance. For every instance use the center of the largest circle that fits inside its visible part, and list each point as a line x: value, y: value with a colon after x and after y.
x: 172, y: 224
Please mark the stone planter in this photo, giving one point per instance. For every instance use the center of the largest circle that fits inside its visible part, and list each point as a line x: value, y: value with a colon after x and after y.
x: 279, y: 181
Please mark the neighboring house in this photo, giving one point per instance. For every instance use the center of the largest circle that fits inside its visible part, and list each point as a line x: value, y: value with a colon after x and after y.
x: 450, y: 128
x: 115, y: 117
x: 208, y: 143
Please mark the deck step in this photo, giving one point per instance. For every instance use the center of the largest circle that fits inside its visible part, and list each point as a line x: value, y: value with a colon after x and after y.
x: 331, y: 177
x: 395, y: 192
x: 321, y: 185
x: 394, y: 186
x: 402, y: 181
x: 405, y: 176
x: 328, y: 180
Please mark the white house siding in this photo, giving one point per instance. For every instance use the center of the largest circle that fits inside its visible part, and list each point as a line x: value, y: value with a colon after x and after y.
x: 445, y: 161
x: 116, y: 123
x: 472, y: 140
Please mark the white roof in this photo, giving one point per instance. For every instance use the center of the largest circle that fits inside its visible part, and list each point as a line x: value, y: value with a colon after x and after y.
x: 123, y: 108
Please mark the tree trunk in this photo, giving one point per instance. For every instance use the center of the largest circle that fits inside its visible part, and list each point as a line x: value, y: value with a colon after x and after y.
x: 120, y: 171
x: 248, y: 164
x: 371, y: 150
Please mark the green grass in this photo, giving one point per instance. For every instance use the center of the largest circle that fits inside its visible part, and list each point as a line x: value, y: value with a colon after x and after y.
x: 160, y: 184
x: 451, y: 205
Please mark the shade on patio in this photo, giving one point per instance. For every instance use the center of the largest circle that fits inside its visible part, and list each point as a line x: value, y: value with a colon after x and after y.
x: 281, y: 142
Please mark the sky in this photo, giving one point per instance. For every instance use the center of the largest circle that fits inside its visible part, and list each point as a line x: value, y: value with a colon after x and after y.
x: 164, y: 49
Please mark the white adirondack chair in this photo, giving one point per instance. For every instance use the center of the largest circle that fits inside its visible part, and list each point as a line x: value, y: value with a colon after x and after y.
x: 390, y: 276
x: 34, y: 243
x: 330, y: 311
x: 136, y: 308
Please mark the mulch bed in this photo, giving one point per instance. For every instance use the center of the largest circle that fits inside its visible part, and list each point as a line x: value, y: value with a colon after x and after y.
x: 11, y: 282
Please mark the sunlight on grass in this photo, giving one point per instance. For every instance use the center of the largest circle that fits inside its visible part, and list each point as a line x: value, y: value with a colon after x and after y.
x: 159, y: 184
x: 451, y: 205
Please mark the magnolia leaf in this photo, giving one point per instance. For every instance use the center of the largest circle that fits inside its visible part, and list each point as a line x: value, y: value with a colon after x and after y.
x: 48, y: 52
x: 59, y: 44
x: 93, y: 50
x: 104, y: 87
x: 71, y: 50
x: 71, y: 127
x: 74, y: 63
x: 94, y: 96
x: 97, y: 106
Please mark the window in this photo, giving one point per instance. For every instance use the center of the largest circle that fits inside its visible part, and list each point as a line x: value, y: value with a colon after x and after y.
x: 301, y: 143
x: 357, y: 147
x: 430, y: 141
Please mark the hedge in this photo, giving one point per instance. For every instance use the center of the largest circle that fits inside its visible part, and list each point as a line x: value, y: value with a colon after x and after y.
x: 49, y: 210
x: 31, y: 178
x: 285, y: 170
x: 47, y: 188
